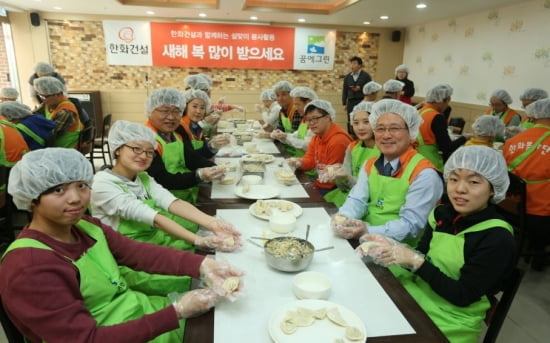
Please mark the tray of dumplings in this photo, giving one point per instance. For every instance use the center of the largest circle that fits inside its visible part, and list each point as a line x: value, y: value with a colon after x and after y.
x: 263, y: 209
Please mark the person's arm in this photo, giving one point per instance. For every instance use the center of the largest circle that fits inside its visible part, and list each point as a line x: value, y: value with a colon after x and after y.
x: 488, y: 256
x: 169, y: 180
x: 444, y: 142
x: 271, y: 114
x: 298, y: 143
x: 63, y: 120
x: 424, y: 193
x: 308, y: 160
x: 357, y: 201
x: 409, y: 89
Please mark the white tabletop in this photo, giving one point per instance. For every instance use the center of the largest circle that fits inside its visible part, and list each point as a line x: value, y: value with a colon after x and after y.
x: 267, y: 290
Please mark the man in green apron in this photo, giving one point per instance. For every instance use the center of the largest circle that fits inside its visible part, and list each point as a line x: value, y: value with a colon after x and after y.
x: 60, y: 279
x: 467, y: 251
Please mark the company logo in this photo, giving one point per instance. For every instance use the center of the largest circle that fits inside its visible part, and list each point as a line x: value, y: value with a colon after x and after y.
x: 316, y: 44
x: 126, y: 34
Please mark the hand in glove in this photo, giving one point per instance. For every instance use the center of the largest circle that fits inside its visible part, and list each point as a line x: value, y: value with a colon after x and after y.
x: 294, y: 162
x: 195, y: 302
x: 389, y: 252
x: 211, y: 173
x: 230, y: 237
x: 212, y: 119
x: 214, y: 273
x: 219, y: 141
x: 278, y: 134
x: 328, y: 174
x: 347, y: 228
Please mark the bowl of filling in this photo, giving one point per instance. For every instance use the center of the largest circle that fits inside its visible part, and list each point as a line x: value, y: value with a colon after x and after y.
x: 288, y: 254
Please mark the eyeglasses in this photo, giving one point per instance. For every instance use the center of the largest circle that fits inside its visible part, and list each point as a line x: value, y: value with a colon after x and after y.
x: 166, y: 112
x: 314, y: 119
x: 47, y: 96
x: 392, y: 130
x: 138, y: 151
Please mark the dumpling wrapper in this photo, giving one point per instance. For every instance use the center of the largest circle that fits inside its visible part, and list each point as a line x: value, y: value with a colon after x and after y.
x: 287, y: 327
x: 365, y: 246
x: 335, y: 316
x: 229, y: 242
x: 231, y: 284
x: 339, y: 219
x: 354, y: 334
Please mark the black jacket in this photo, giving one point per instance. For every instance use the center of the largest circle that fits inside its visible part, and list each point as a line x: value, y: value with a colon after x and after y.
x: 348, y: 93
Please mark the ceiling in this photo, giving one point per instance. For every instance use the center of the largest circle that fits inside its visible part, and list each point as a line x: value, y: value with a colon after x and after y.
x: 401, y: 13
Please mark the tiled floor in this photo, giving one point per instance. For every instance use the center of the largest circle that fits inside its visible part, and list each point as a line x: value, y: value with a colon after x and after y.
x: 529, y: 318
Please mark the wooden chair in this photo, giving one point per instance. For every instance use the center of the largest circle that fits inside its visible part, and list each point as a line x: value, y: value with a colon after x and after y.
x: 100, y: 147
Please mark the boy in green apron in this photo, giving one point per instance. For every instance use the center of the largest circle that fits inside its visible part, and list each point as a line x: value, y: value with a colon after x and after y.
x: 466, y: 252
x: 60, y: 279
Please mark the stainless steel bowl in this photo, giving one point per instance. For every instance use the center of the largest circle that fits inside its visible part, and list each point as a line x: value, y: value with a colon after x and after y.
x: 288, y: 254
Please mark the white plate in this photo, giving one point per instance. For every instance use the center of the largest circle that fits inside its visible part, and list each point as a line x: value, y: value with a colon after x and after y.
x: 265, y: 158
x: 258, y: 192
x: 322, y: 330
x: 296, y: 209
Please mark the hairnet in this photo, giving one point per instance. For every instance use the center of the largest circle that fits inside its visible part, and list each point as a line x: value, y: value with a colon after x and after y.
x: 539, y: 109
x: 9, y: 92
x: 124, y: 131
x: 282, y: 86
x: 303, y: 92
x: 322, y: 104
x: 485, y: 161
x: 363, y: 106
x: 40, y: 170
x: 164, y: 97
x: 207, y: 78
x: 393, y: 86
x: 439, y: 92
x: 371, y: 87
x: 407, y: 112
x: 196, y: 82
x: 503, y: 95
x: 48, y: 85
x: 14, y: 110
x: 534, y: 94
x: 488, y: 126
x: 402, y: 67
x: 42, y: 68
x: 268, y: 94
x: 191, y: 94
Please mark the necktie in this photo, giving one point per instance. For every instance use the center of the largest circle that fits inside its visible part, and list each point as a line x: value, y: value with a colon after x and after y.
x: 387, y: 169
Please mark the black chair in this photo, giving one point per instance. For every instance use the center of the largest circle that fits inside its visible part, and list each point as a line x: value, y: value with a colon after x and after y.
x: 12, y: 334
x: 101, y: 148
x: 457, y: 124
x: 500, y: 307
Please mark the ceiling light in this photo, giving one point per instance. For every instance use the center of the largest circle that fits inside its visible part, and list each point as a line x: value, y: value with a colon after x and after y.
x: 421, y: 6
x: 150, y: 12
x: 253, y: 18
x: 301, y: 20
x: 57, y: 8
x: 384, y: 17
x: 366, y: 22
x: 202, y: 15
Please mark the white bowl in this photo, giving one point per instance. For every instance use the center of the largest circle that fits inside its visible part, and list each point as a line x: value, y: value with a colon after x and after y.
x: 251, y: 179
x: 311, y: 285
x: 282, y: 222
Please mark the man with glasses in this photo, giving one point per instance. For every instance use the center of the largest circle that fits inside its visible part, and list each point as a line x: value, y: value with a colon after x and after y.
x: 177, y: 166
x: 395, y: 192
x: 499, y: 101
x: 60, y: 110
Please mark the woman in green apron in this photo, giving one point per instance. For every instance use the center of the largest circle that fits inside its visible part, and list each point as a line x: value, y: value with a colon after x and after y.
x: 361, y: 149
x: 133, y: 203
x: 467, y: 250
x: 60, y: 279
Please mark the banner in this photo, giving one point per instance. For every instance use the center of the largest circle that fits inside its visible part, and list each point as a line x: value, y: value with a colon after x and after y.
x: 218, y: 46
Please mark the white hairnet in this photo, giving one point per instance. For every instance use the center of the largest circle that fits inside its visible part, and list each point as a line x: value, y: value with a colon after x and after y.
x: 14, y: 110
x: 485, y: 161
x: 503, y: 95
x: 402, y: 67
x: 42, y: 68
x: 9, y: 92
x: 123, y: 131
x: 393, y: 86
x: 407, y: 112
x: 363, y: 106
x: 323, y: 105
x: 191, y: 94
x: 282, y: 86
x: 268, y: 94
x: 207, y: 78
x: 303, y: 92
x: 164, y: 97
x: 40, y: 170
x: 534, y: 94
x: 488, y: 126
x: 539, y: 109
x: 371, y: 87
x: 439, y: 92
x: 196, y: 82
x: 48, y: 85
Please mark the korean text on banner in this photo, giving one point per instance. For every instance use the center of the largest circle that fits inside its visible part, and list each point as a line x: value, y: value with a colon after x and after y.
x: 314, y: 49
x: 127, y: 42
x: 222, y: 46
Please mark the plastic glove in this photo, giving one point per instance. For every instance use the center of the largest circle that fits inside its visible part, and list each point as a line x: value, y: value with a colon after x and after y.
x: 230, y: 237
x: 219, y: 141
x: 209, y: 242
x: 212, y: 119
x: 211, y: 173
x: 214, y: 273
x: 328, y: 174
x: 389, y: 252
x: 195, y: 302
x: 221, y: 226
x: 278, y: 134
x: 347, y: 228
x: 294, y: 162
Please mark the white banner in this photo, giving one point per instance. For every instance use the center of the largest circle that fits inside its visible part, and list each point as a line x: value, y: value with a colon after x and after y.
x: 314, y: 49
x: 128, y: 42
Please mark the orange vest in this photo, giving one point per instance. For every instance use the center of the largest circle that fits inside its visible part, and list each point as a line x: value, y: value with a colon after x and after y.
x: 428, y: 113
x: 66, y: 104
x: 534, y: 169
x: 506, y: 117
x: 404, y: 160
x: 13, y: 144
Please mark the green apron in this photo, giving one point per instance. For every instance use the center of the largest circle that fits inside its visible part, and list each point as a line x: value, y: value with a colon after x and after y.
x: 287, y: 124
x: 359, y: 154
x: 173, y: 156
x: 430, y: 151
x: 197, y: 143
x: 388, y: 194
x: 459, y: 324
x: 527, y: 124
x: 68, y: 139
x: 110, y: 298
